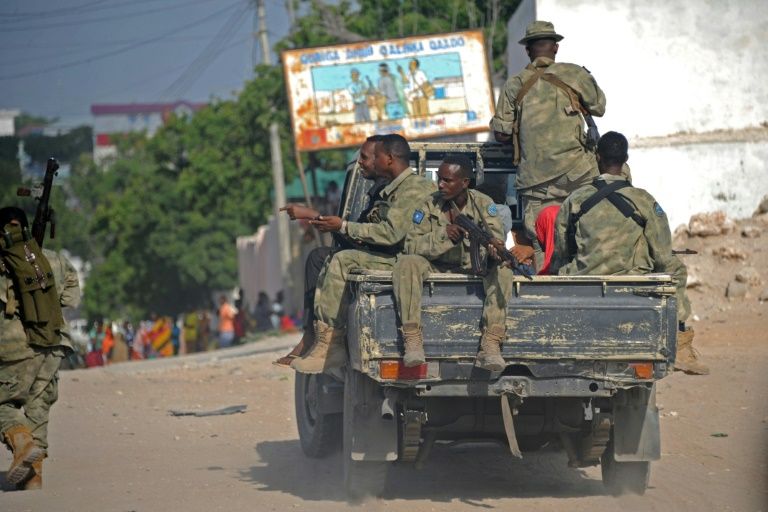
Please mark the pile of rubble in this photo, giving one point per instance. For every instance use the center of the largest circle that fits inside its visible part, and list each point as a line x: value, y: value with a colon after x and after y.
x: 732, y: 259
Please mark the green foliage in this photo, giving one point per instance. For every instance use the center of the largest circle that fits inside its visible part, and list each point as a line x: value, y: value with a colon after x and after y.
x: 24, y: 119
x: 167, y: 226
x: 65, y: 148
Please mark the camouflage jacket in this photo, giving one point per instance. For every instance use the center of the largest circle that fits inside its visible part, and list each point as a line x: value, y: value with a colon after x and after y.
x: 552, y: 138
x: 390, y: 218
x: 13, y: 339
x: 607, y: 243
x: 428, y: 236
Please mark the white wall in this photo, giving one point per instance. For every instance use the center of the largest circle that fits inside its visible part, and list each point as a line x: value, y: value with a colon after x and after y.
x: 669, y: 66
x: 692, y: 178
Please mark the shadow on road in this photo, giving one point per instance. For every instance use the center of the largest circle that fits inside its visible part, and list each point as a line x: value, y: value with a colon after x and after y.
x: 467, y: 472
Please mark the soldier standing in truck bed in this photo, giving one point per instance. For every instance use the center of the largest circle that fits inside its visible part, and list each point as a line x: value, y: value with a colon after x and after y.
x: 610, y: 227
x: 540, y: 113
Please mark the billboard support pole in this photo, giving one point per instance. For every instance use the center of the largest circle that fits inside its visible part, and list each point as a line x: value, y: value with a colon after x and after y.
x: 283, y: 229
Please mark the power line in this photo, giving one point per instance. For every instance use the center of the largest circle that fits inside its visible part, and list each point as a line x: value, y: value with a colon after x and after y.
x: 115, y: 42
x: 119, y: 51
x: 53, y: 12
x: 207, y: 56
x: 118, y: 17
x: 79, y: 50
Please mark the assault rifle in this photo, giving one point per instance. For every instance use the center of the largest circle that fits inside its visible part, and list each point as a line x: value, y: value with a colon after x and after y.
x: 44, y: 213
x: 479, y: 237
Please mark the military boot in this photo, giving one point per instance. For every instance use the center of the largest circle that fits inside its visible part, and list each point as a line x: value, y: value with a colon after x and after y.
x: 35, y: 481
x: 25, y: 453
x: 687, y: 359
x: 327, y: 353
x: 489, y: 357
x: 414, y: 345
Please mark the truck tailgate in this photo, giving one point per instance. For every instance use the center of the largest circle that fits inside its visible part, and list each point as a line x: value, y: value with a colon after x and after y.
x: 551, y: 317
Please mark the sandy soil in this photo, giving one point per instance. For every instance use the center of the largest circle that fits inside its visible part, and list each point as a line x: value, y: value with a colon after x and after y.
x: 116, y: 448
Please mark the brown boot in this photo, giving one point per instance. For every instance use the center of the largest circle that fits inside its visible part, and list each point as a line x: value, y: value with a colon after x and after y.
x: 327, y: 353
x: 687, y: 359
x: 489, y: 357
x: 34, y: 482
x: 414, y: 345
x: 25, y: 453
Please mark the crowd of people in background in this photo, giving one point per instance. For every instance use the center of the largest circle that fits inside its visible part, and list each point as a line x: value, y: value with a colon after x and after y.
x: 229, y: 324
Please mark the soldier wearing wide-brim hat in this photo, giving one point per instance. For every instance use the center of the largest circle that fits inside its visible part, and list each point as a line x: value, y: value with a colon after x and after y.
x: 540, y: 112
x: 540, y: 30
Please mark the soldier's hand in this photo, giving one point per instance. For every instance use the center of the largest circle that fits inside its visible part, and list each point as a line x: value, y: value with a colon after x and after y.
x: 455, y: 233
x: 493, y: 252
x: 327, y: 223
x: 523, y: 253
x: 297, y: 211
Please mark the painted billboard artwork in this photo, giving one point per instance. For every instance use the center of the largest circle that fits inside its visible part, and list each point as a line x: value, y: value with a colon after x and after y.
x: 419, y: 87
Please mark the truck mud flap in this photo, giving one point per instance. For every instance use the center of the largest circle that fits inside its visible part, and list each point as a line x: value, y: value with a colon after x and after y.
x: 636, y: 433
x: 374, y: 438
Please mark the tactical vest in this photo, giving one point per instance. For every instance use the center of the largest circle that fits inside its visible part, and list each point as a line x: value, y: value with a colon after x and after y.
x: 34, y: 291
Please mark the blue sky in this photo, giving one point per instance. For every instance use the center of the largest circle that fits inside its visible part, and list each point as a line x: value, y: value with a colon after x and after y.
x: 57, y: 57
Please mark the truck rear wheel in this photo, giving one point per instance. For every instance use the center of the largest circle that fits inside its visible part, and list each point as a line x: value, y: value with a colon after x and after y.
x: 362, y: 478
x: 624, y: 477
x: 319, y: 434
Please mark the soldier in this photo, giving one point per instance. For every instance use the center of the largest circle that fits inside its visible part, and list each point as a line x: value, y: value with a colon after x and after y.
x: 30, y: 356
x: 540, y: 112
x: 317, y: 257
x: 388, y: 223
x: 612, y: 228
x: 436, y: 244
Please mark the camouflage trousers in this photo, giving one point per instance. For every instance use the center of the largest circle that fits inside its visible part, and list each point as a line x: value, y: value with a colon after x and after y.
x: 331, y: 299
x: 28, y: 389
x: 408, y: 280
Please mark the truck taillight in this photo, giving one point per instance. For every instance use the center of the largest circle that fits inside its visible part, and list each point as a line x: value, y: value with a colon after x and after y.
x: 643, y: 370
x: 394, y: 369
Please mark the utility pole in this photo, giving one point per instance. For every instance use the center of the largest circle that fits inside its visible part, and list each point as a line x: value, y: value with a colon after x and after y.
x: 283, y: 233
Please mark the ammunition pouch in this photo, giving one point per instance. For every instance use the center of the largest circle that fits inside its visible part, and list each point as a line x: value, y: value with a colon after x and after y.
x: 34, y: 290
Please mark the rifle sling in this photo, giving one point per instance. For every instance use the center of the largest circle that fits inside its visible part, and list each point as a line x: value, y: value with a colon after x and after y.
x: 573, y: 96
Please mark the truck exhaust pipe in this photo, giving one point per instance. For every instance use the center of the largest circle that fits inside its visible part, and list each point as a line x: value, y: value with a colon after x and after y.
x: 387, y: 409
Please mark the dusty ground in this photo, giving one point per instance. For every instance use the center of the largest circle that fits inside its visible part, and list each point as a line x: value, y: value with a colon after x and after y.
x: 116, y: 448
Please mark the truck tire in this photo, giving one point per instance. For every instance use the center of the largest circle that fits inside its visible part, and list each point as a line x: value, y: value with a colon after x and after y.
x: 319, y: 434
x: 362, y: 478
x: 623, y: 477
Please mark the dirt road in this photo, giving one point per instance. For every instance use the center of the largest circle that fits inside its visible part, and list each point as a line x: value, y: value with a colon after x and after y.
x: 116, y: 448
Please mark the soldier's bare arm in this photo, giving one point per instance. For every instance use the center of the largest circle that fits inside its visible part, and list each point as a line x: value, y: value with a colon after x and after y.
x: 298, y: 211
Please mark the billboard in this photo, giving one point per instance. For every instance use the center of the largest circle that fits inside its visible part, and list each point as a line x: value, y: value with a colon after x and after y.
x: 420, y: 87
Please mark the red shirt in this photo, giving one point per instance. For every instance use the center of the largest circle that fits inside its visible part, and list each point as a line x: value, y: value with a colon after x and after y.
x: 545, y: 232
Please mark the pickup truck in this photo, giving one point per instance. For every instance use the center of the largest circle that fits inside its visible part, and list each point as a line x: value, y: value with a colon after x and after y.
x: 583, y: 354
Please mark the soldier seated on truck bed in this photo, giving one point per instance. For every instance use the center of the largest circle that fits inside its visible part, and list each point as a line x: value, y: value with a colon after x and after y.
x: 388, y: 223
x: 610, y: 227
x: 436, y: 244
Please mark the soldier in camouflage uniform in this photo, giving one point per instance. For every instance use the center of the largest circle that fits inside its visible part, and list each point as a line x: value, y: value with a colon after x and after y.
x: 606, y: 242
x: 543, y: 120
x: 29, y: 371
x: 436, y: 244
x: 388, y: 223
